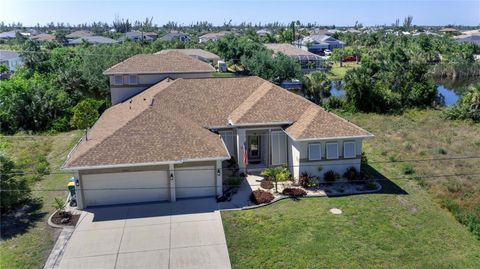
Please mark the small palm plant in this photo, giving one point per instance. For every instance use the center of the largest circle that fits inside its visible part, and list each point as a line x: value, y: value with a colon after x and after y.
x: 59, y: 205
x: 276, y: 174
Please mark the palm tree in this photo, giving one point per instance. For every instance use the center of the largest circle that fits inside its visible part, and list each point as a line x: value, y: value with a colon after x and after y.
x: 276, y: 174
x: 317, y: 86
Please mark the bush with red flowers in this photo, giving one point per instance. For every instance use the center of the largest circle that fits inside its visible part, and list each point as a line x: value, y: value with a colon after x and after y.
x: 294, y: 192
x: 261, y: 197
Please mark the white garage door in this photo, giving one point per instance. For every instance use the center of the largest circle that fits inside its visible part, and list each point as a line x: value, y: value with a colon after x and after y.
x: 196, y: 181
x: 123, y: 188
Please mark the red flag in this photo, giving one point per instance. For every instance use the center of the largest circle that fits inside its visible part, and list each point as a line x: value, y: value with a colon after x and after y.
x: 245, y: 154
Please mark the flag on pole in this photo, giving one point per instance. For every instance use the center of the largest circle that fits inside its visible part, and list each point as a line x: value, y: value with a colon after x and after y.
x: 245, y: 154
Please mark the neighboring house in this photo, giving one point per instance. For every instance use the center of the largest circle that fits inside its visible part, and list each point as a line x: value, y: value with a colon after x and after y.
x: 139, y: 72
x: 8, y: 35
x: 139, y: 36
x: 11, y: 59
x: 78, y: 34
x: 212, y: 36
x: 308, y: 61
x: 202, y: 55
x: 44, y: 37
x: 263, y: 32
x: 176, y: 36
x: 175, y: 139
x: 474, y: 39
x: 449, y: 30
x: 318, y: 43
x: 92, y: 40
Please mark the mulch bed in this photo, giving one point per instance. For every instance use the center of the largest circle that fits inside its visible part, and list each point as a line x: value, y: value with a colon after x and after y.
x: 67, y: 221
x: 266, y: 184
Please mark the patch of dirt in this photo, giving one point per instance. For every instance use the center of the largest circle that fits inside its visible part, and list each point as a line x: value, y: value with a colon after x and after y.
x: 67, y: 220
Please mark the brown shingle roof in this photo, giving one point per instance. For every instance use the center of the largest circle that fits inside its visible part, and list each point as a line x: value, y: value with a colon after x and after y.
x: 175, y: 127
x: 171, y: 62
x: 197, y: 53
x: 289, y: 50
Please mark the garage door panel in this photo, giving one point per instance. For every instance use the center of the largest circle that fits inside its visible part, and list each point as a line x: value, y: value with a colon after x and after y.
x: 122, y: 188
x: 195, y: 182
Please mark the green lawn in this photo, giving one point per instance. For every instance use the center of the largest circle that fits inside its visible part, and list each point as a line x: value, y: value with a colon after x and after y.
x: 338, y: 72
x: 423, y: 135
x: 388, y: 230
x: 30, y: 245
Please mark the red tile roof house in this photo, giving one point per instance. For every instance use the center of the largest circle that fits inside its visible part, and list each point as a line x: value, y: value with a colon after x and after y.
x: 169, y: 140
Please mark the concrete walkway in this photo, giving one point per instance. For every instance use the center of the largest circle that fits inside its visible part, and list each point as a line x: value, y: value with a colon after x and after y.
x: 184, y: 234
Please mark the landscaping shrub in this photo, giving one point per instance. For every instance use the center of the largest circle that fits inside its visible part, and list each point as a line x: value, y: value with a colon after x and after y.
x: 267, y: 184
x: 407, y: 169
x: 234, y: 181
x: 19, y: 190
x: 370, y: 186
x: 330, y: 176
x: 261, y: 197
x: 306, y: 180
x: 294, y: 192
x: 351, y: 173
x: 442, y: 151
x: 364, y: 159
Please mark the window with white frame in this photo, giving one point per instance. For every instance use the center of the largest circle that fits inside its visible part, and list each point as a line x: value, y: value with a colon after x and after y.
x: 349, y: 150
x: 117, y: 80
x: 314, y: 152
x: 132, y: 79
x: 332, y: 150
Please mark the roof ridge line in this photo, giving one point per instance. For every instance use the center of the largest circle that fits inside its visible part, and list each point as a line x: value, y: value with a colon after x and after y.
x: 167, y: 83
x: 307, y: 117
x: 250, y: 101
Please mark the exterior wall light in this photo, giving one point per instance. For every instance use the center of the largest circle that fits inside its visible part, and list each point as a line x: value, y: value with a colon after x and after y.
x: 77, y: 182
x: 171, y: 176
x: 218, y: 172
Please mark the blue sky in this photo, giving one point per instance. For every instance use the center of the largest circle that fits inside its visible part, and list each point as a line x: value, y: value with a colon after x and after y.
x: 340, y: 12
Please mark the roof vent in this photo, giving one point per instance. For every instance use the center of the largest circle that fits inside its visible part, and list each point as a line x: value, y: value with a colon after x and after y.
x: 153, y: 101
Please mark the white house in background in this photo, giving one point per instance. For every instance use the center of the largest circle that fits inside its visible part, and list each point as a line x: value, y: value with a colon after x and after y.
x: 142, y: 71
x: 212, y: 36
x: 174, y: 139
x: 319, y: 43
x: 263, y: 32
x: 11, y: 59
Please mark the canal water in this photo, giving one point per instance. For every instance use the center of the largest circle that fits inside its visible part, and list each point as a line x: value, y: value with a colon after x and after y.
x: 451, y: 90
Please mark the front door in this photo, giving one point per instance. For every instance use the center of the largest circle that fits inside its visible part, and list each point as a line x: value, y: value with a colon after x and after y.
x: 254, y: 152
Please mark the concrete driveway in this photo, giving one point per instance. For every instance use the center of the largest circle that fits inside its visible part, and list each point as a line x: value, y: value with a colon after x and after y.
x: 184, y: 234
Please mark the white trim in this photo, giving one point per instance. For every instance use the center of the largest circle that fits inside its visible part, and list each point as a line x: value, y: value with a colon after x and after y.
x: 326, y: 151
x: 224, y: 145
x: 143, y: 164
x: 354, y: 149
x: 329, y: 138
x: 231, y: 124
x: 319, y: 152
